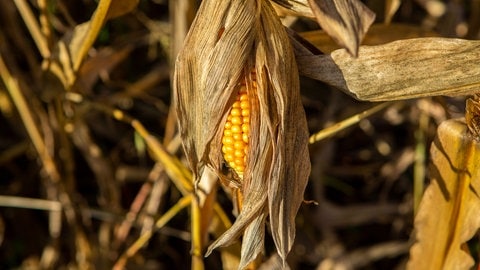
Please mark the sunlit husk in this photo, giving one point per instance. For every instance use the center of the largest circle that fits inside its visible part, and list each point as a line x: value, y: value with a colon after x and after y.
x: 227, y: 40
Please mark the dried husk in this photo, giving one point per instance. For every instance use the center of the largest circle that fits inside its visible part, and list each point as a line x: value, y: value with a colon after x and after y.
x: 346, y: 22
x: 228, y: 40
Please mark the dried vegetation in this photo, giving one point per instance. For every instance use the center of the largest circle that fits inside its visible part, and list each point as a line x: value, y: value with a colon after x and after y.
x: 92, y: 170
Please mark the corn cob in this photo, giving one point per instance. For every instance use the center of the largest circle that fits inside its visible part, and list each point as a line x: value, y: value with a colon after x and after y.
x: 236, y: 133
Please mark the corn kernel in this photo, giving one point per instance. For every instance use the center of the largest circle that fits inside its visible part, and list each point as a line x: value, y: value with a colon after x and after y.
x: 236, y: 111
x: 227, y: 149
x: 228, y: 132
x: 239, y: 153
x: 236, y: 129
x: 245, y: 138
x: 236, y: 120
x: 237, y: 137
x: 238, y: 145
x: 227, y: 140
x: 236, y: 133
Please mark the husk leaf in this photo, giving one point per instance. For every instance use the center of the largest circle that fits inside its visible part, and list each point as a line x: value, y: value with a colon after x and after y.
x: 345, y: 21
x: 207, y: 70
x: 297, y: 7
x: 289, y: 175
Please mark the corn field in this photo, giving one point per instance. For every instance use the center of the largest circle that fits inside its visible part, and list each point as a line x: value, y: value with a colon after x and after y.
x: 239, y: 134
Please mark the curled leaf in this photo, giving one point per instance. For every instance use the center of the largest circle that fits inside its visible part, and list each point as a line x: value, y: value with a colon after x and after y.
x: 346, y: 21
x: 298, y: 7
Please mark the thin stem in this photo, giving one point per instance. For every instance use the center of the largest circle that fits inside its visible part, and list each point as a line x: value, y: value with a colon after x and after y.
x: 337, y: 127
x: 142, y: 240
x: 33, y: 27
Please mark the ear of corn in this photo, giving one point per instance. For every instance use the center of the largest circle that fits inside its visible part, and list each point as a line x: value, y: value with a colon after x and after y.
x: 207, y: 81
x: 236, y: 133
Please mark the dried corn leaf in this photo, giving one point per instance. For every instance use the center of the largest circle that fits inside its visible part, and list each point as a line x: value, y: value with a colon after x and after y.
x: 207, y: 74
x: 377, y: 34
x: 448, y: 214
x: 345, y: 21
x: 400, y: 70
x: 298, y: 7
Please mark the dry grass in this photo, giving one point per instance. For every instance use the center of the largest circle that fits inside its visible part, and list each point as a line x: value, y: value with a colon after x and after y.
x: 95, y: 142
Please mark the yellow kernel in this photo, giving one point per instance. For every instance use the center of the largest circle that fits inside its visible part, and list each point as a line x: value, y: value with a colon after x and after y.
x: 245, y: 113
x: 227, y: 140
x: 229, y: 157
x: 245, y: 138
x: 243, y: 96
x: 240, y: 168
x: 245, y: 128
x: 244, y: 104
x: 236, y: 104
x: 239, y: 161
x: 237, y: 137
x: 237, y: 120
x: 228, y: 125
x: 228, y: 132
x: 227, y: 149
x: 236, y: 129
x: 238, y: 145
x: 235, y: 112
x: 239, y: 153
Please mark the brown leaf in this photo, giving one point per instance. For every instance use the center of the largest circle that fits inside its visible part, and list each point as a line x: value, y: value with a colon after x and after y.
x: 346, y: 21
x: 400, y: 70
x: 298, y: 7
x: 290, y: 165
x: 377, y: 34
x: 207, y: 71
x: 121, y: 7
x: 448, y: 213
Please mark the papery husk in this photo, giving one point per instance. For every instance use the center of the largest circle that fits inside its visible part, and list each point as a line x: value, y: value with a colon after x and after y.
x: 207, y: 71
x: 346, y: 22
x: 228, y: 40
x: 297, y: 7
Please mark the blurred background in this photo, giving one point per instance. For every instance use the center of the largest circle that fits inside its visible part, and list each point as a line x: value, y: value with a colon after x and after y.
x: 96, y: 188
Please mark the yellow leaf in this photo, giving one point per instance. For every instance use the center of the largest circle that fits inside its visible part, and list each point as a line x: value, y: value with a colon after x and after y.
x: 84, y: 35
x: 449, y: 212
